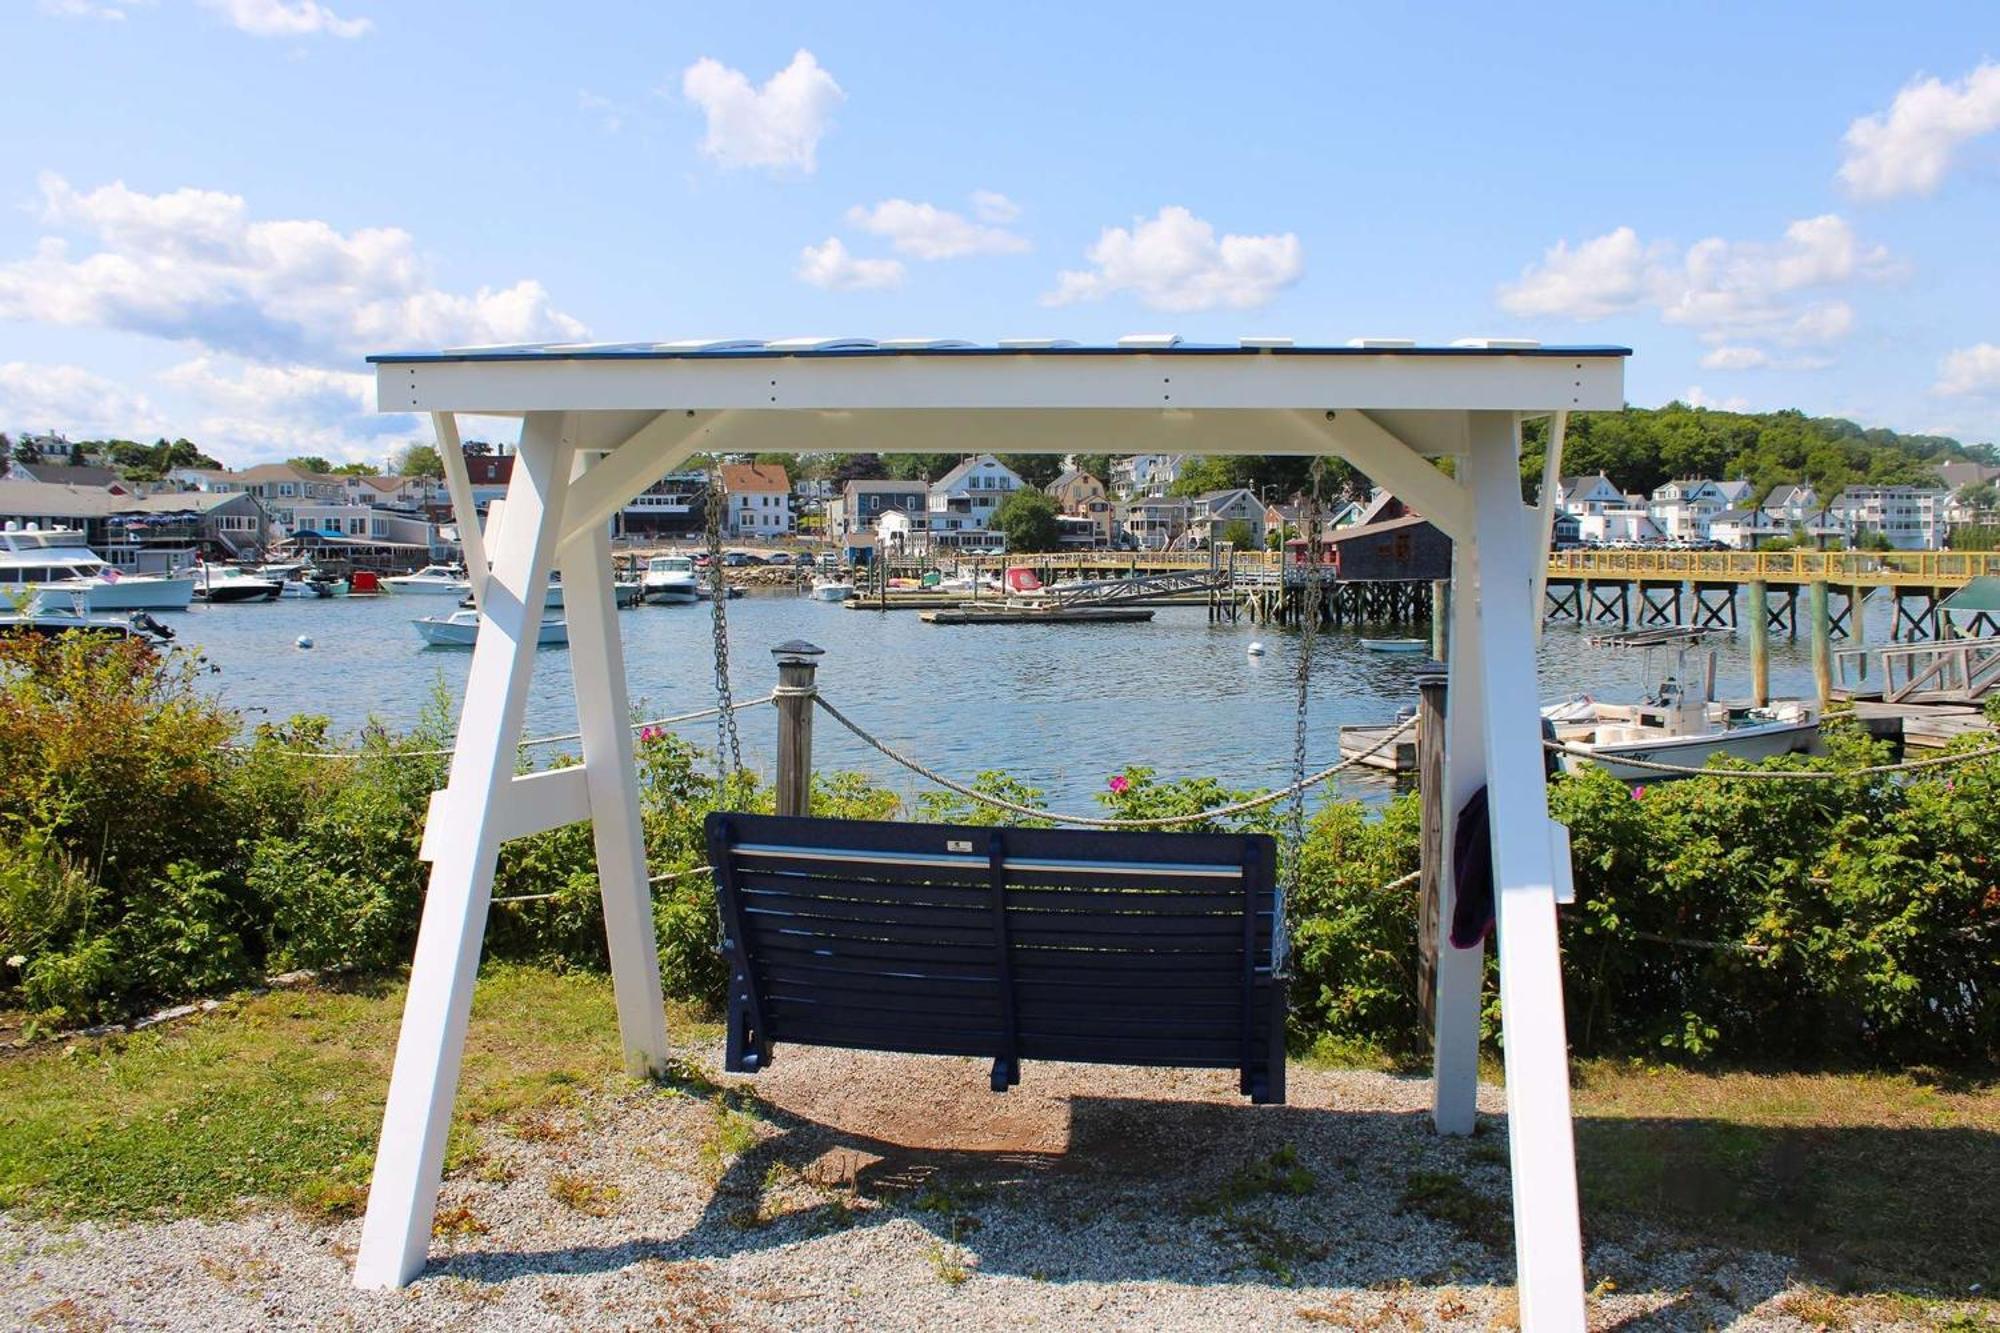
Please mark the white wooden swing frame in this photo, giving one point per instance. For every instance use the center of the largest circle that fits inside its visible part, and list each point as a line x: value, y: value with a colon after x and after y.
x: 601, y: 423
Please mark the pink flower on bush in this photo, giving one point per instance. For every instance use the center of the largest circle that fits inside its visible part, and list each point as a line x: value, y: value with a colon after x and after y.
x: 1638, y: 793
x: 647, y: 735
x: 1120, y: 784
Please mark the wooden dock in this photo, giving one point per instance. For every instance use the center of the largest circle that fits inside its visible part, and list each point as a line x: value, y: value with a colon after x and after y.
x: 1036, y: 615
x: 1400, y: 757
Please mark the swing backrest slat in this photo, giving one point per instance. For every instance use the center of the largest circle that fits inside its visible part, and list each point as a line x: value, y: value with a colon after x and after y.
x: 1013, y: 944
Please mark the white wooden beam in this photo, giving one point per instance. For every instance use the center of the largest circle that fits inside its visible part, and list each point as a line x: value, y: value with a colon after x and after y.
x: 1552, y: 464
x: 603, y: 711
x: 532, y: 803
x: 1393, y: 465
x: 409, y: 1158
x: 464, y: 510
x: 1461, y: 973
x: 1442, y: 379
x: 1548, y: 1246
x: 655, y: 449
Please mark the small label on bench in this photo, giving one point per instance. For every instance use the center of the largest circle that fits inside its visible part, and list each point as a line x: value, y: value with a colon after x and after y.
x: 958, y: 845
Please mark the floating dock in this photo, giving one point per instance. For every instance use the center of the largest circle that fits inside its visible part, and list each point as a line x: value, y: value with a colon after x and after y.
x: 1024, y: 615
x: 1400, y: 757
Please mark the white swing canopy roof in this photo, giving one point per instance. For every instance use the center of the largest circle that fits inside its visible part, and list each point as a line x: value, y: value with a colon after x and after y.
x: 1168, y: 395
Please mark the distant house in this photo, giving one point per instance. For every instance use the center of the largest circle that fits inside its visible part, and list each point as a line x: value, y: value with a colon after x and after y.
x: 489, y: 475
x: 1144, y: 475
x: 859, y: 504
x: 1745, y: 529
x: 64, y: 474
x: 1213, y: 512
x: 759, y: 501
x: 1588, y: 495
x: 674, y: 506
x: 1073, y: 489
x: 1683, y: 508
x: 1409, y: 548
x: 1909, y: 518
x: 139, y: 531
x: 963, y: 502
x: 1157, y: 522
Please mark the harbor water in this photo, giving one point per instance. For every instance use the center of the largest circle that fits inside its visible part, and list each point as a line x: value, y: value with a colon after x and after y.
x: 1061, y: 707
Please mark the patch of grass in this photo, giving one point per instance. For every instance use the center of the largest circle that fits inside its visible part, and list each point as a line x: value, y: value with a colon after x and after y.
x: 1878, y: 1182
x: 584, y: 1194
x: 1281, y: 1173
x: 1271, y: 1247
x: 731, y: 1134
x: 459, y: 1221
x: 951, y: 1269
x: 274, y: 1097
x: 1443, y: 1197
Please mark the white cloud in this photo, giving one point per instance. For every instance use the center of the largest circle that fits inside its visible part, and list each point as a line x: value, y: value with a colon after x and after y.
x: 929, y: 232
x: 193, y: 265
x: 832, y: 267
x: 1909, y: 148
x: 1694, y: 397
x: 994, y: 207
x: 1970, y: 370
x: 1735, y: 356
x: 73, y: 401
x: 112, y: 11
x: 287, y: 18
x: 1175, y: 262
x: 778, y: 126
x: 1729, y: 291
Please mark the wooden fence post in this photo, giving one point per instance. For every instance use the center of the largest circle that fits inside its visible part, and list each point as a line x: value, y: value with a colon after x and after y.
x: 1430, y: 838
x: 1822, y: 645
x: 1760, y: 642
x: 798, y: 671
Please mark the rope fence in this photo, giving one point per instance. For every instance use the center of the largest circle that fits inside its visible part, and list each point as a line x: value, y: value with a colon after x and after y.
x: 526, y: 743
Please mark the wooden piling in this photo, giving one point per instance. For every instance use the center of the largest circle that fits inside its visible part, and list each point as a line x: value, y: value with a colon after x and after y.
x: 1440, y: 617
x: 1760, y: 642
x: 798, y: 671
x: 1430, y: 837
x: 1822, y: 643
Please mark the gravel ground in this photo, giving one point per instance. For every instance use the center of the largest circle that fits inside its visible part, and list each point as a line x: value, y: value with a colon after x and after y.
x: 889, y: 1192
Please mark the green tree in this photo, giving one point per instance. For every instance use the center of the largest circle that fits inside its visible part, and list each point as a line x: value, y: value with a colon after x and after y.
x: 859, y: 467
x: 311, y: 463
x: 1038, y: 470
x: 419, y: 460
x: 1028, y: 519
x: 920, y: 467
x: 1239, y: 534
x: 355, y: 470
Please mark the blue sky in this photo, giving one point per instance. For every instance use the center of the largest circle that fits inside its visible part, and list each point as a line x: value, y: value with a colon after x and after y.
x: 211, y: 209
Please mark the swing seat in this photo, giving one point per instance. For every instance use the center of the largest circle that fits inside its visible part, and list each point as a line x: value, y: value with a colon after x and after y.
x: 1010, y: 944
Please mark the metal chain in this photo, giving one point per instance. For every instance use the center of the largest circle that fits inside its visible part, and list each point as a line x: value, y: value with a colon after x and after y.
x: 1308, y: 639
x: 728, y: 749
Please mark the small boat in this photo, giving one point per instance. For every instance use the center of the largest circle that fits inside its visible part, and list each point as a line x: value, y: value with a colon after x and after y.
x: 460, y: 629
x: 1676, y: 727
x: 701, y: 591
x: 220, y: 584
x: 430, y: 581
x: 669, y: 580
x: 627, y: 592
x: 40, y: 615
x: 832, y: 590
x: 1397, y: 645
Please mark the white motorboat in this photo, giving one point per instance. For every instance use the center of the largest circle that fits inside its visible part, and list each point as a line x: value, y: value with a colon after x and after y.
x: 1397, y: 645
x: 1676, y: 727
x: 219, y: 584
x: 56, y: 560
x: 832, y: 590
x: 430, y: 581
x: 48, y: 615
x: 669, y: 579
x: 460, y: 629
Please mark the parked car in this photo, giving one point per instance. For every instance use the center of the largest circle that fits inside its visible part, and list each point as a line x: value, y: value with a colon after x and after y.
x: 779, y: 558
x: 737, y: 559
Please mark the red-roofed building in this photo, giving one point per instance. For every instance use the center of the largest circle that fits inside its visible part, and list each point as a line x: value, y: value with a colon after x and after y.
x: 759, y: 501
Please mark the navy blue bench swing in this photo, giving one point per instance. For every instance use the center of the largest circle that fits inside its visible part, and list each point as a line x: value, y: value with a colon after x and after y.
x: 1006, y: 943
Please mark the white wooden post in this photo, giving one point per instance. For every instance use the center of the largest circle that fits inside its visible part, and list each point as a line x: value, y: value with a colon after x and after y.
x: 1548, y: 1245
x: 409, y: 1160
x: 1460, y: 972
x: 465, y: 510
x: 603, y: 715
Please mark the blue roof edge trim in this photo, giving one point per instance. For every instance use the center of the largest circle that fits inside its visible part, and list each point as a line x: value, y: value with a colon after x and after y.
x: 864, y: 353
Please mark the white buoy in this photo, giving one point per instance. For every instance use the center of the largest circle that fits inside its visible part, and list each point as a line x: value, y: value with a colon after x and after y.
x: 1256, y: 648
x: 303, y: 641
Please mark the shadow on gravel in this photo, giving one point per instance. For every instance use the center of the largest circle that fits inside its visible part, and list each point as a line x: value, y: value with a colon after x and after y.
x: 1207, y: 1193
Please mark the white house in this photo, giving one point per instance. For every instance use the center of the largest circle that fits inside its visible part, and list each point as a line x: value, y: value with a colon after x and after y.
x: 1144, y: 474
x: 759, y: 501
x: 965, y: 499
x: 1912, y: 518
x: 1157, y: 522
x: 1588, y: 495
x: 1682, y: 509
x: 1212, y: 512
